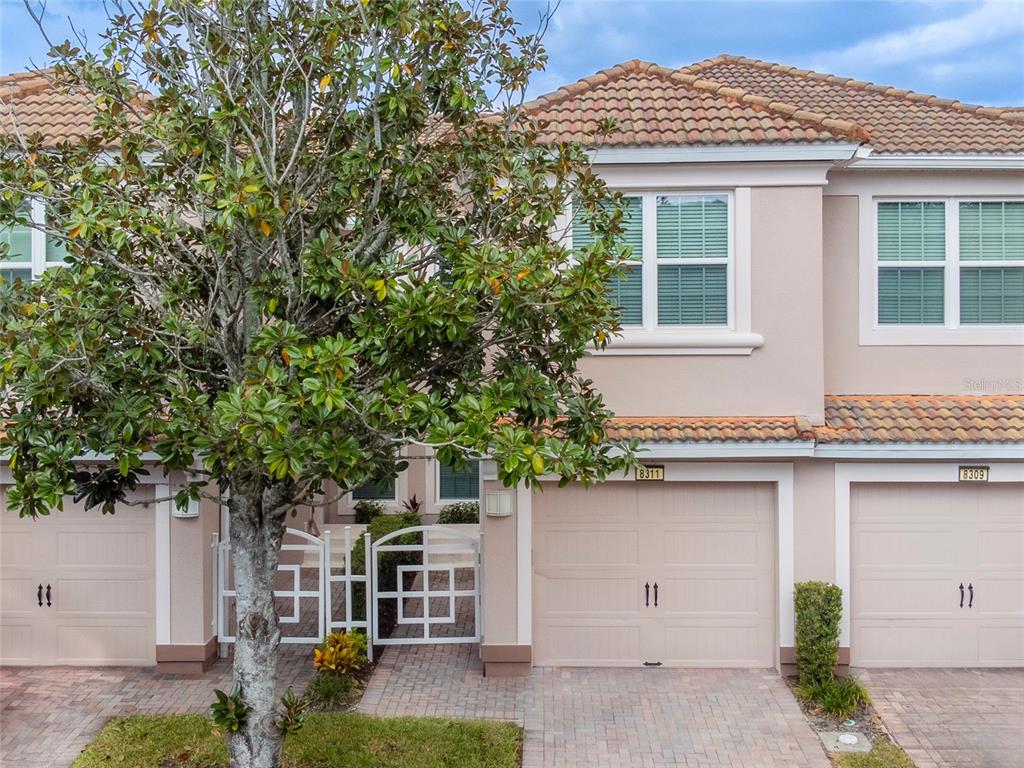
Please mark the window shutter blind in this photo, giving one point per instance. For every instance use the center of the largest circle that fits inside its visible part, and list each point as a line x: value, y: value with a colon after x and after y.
x: 991, y: 295
x: 625, y: 292
x: 911, y: 231
x: 693, y: 227
x: 692, y: 294
x: 18, y: 240
x: 375, y: 489
x: 10, y: 276
x: 911, y: 296
x: 463, y: 483
x: 991, y: 230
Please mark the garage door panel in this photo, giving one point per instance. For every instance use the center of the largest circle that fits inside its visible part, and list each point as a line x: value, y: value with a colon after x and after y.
x: 108, y: 596
x: 115, y: 642
x: 715, y: 597
x: 585, y: 547
x: 906, y: 574
x: 591, y: 643
x: 101, y: 571
x: 893, y: 595
x: 709, y: 546
x: 588, y: 594
x: 905, y: 547
x: 1001, y: 644
x: 712, y: 545
x: 95, y: 547
x: 904, y: 644
x: 716, y: 645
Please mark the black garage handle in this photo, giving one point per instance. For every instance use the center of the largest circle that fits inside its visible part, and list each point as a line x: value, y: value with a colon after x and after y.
x: 961, y: 594
x: 48, y: 603
x: 655, y: 594
x: 970, y: 588
x: 39, y: 595
x: 647, y: 594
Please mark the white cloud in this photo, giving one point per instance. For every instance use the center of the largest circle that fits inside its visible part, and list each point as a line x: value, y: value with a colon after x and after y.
x: 984, y: 23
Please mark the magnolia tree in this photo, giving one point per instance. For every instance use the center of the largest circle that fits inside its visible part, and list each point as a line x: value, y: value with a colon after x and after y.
x: 303, y: 236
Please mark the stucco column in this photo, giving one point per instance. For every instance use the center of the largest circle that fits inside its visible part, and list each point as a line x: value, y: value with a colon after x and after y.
x: 507, y: 578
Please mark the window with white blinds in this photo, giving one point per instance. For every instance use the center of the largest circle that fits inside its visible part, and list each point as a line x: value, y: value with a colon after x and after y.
x: 950, y: 263
x: 678, y: 274
x: 26, y: 253
x: 458, y: 483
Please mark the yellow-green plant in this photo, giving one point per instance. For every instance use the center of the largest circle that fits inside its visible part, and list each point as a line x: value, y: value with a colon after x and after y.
x: 341, y: 653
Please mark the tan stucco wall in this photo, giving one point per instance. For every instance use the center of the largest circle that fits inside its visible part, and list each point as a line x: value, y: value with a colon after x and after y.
x: 192, y: 575
x: 854, y: 369
x: 785, y: 375
x: 814, y: 550
x: 500, y: 559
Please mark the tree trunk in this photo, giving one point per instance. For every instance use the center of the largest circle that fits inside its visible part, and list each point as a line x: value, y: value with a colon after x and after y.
x: 257, y: 528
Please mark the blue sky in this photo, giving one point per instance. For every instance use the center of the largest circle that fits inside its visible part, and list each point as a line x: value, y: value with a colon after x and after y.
x: 973, y: 51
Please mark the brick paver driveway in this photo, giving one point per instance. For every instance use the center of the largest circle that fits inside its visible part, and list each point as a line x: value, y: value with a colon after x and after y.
x: 49, y: 714
x: 952, y: 718
x: 607, y: 718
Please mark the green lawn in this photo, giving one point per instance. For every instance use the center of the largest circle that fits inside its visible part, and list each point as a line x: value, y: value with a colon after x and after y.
x: 882, y: 755
x: 328, y: 740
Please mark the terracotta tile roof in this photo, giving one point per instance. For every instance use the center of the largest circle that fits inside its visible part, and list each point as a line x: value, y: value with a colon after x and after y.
x: 876, y: 419
x: 32, y: 102
x: 898, y: 121
x: 657, y: 106
x: 774, y: 429
x: 923, y: 419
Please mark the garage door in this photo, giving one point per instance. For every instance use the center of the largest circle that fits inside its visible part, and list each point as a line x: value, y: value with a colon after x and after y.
x: 709, y: 548
x: 101, y: 578
x: 912, y: 546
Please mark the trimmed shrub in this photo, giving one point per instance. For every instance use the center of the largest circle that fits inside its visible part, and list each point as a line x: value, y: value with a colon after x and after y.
x: 840, y: 697
x: 819, y: 608
x: 460, y: 513
x: 341, y: 653
x: 366, y: 510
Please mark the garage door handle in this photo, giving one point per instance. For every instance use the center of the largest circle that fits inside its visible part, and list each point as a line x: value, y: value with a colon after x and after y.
x: 961, y: 594
x: 655, y: 594
x: 647, y: 594
x: 48, y: 603
x: 970, y: 588
x: 39, y: 595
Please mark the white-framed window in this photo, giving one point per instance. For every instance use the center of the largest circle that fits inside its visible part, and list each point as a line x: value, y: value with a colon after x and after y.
x: 30, y: 251
x: 384, y: 489
x: 457, y: 483
x: 686, y: 287
x: 945, y: 270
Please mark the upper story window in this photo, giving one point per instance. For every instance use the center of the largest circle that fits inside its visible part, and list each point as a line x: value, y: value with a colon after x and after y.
x: 29, y: 252
x: 458, y: 483
x: 685, y: 289
x: 950, y: 268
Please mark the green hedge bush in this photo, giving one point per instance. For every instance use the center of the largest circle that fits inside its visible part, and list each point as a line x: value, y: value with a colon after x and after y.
x: 819, y: 608
x: 387, y: 564
x: 460, y: 513
x: 367, y: 510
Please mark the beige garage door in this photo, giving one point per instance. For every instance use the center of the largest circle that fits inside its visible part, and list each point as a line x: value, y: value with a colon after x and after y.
x: 100, y: 572
x: 912, y: 547
x: 709, y: 547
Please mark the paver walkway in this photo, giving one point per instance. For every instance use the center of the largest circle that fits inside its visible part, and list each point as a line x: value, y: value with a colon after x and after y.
x: 607, y: 718
x: 952, y: 718
x: 49, y: 714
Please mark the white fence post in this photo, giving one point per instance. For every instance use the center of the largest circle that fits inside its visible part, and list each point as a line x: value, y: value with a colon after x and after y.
x: 326, y: 589
x: 370, y: 565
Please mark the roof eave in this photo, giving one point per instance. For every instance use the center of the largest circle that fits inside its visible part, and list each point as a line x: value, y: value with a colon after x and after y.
x: 726, y: 153
x: 939, y: 162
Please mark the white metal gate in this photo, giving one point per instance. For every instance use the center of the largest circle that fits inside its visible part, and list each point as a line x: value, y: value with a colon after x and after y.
x: 444, y: 551
x: 451, y: 554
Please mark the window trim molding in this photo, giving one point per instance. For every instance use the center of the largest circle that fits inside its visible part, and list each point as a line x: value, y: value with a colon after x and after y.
x: 37, y: 262
x: 951, y: 333
x: 733, y: 338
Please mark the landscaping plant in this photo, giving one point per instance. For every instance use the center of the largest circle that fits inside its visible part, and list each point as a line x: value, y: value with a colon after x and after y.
x: 459, y: 513
x: 293, y: 713
x: 341, y: 653
x: 819, y: 609
x: 840, y: 697
x: 329, y: 232
x: 366, y: 510
x: 327, y: 691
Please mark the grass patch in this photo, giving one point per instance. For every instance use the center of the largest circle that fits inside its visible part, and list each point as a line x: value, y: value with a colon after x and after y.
x: 882, y: 755
x: 328, y: 740
x: 328, y: 691
x: 840, y: 697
